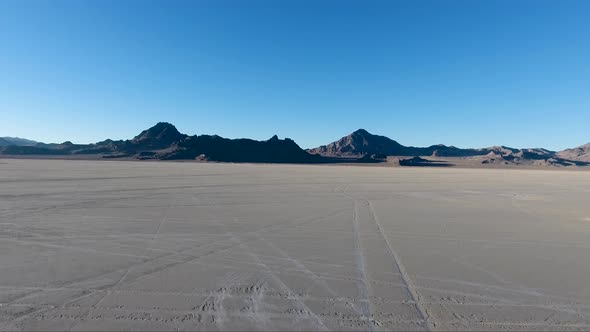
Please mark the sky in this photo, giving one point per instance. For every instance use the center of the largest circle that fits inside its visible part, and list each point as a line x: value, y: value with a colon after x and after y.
x: 464, y: 73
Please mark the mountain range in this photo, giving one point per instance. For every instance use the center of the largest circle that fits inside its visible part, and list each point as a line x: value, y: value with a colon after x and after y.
x: 362, y: 143
x: 164, y: 142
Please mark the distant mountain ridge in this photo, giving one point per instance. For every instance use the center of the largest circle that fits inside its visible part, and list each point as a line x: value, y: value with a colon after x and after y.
x: 580, y: 153
x: 362, y: 143
x: 240, y: 150
x: 164, y: 142
x: 5, y: 141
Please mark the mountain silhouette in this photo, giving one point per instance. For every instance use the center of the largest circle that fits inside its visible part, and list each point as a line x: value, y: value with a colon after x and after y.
x: 217, y: 148
x: 161, y: 135
x: 164, y: 142
x: 361, y: 142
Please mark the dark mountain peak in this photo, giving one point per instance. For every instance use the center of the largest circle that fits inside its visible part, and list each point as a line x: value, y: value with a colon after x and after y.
x: 361, y: 132
x: 359, y: 143
x: 368, y: 138
x: 161, y: 135
x: 157, y: 130
x: 274, y: 138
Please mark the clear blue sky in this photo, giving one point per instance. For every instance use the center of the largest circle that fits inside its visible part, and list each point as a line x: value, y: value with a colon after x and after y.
x: 466, y: 73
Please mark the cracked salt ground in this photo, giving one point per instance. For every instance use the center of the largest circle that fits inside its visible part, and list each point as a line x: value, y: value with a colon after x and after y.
x: 182, y: 246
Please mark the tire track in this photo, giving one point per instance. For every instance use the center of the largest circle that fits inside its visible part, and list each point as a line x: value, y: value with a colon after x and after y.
x: 148, y: 247
x: 316, y: 278
x: 192, y: 259
x: 90, y: 292
x: 11, y: 325
x: 429, y: 324
x: 365, y: 290
x: 65, y: 285
x: 303, y: 309
x: 409, y: 285
x: 363, y: 280
x: 213, y: 303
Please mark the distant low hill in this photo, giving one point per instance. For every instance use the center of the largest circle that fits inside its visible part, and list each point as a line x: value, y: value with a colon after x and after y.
x: 5, y: 141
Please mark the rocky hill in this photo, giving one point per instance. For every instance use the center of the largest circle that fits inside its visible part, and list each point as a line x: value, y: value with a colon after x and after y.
x: 6, y: 141
x: 580, y: 153
x: 358, y: 144
x: 161, y: 135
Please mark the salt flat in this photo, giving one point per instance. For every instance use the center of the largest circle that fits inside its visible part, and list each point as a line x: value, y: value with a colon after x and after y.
x: 104, y: 245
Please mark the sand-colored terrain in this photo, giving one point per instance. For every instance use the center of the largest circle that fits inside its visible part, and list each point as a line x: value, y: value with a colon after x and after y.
x: 101, y: 245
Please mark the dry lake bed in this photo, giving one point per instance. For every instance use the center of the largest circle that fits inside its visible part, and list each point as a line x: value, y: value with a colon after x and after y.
x: 105, y: 245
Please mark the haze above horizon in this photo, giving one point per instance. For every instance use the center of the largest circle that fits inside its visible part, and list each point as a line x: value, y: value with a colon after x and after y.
x: 462, y: 73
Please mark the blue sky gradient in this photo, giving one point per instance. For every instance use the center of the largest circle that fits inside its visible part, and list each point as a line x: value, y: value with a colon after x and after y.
x: 463, y: 73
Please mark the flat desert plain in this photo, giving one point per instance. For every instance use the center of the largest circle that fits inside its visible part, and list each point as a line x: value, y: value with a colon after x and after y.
x: 106, y: 245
